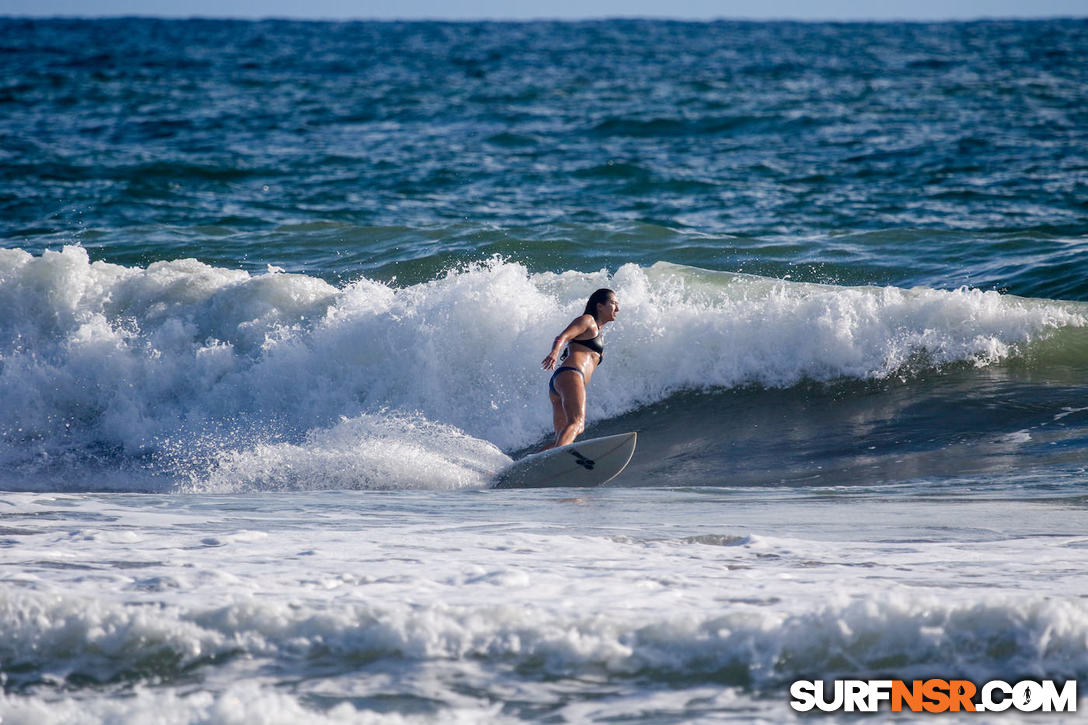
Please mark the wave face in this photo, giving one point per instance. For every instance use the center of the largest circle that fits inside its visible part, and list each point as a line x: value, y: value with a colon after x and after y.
x: 184, y: 374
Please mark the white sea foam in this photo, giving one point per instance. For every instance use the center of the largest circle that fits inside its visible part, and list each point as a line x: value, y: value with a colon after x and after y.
x: 436, y: 646
x: 346, y: 605
x: 240, y: 704
x: 116, y: 591
x: 186, y: 370
x: 82, y: 637
x: 368, y: 452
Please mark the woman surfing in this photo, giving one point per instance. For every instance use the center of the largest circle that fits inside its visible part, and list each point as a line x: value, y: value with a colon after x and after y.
x: 584, y: 352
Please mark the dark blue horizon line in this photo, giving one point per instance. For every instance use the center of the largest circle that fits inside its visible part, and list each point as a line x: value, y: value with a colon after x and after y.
x: 550, y: 20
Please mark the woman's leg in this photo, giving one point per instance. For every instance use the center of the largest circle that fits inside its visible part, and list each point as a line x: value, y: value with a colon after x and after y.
x: 569, y: 411
x: 559, y: 418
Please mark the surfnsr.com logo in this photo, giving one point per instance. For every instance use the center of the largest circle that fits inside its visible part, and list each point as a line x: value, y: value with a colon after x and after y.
x: 933, y: 696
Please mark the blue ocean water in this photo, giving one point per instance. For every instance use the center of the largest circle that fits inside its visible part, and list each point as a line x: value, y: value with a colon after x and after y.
x: 273, y: 297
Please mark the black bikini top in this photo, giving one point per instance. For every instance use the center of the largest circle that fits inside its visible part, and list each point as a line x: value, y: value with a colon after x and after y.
x: 596, y: 344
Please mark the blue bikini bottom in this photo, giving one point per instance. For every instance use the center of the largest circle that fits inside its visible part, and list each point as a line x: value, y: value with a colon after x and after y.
x: 551, y: 383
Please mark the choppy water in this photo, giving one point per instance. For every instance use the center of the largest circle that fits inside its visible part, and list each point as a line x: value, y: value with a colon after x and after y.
x: 273, y: 298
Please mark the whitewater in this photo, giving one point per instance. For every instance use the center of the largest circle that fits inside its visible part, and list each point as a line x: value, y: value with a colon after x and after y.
x: 183, y: 376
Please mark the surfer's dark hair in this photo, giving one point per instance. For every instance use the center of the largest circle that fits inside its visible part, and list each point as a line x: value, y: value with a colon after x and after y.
x: 597, y: 298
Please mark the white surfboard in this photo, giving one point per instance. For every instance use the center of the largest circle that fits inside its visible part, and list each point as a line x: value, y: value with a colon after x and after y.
x: 583, y: 463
